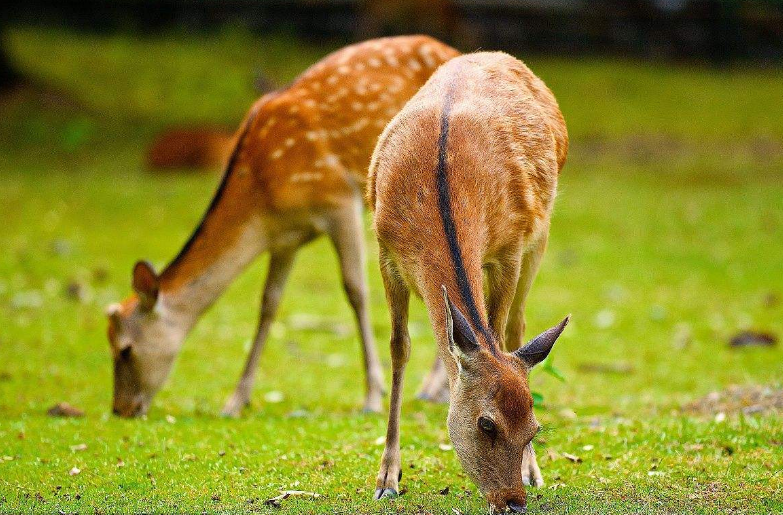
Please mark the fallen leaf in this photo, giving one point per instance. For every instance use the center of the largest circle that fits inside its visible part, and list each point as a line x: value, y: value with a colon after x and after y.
x: 79, y: 447
x: 445, y: 447
x: 170, y: 419
x: 720, y: 417
x: 588, y: 448
x: 380, y: 440
x: 274, y: 397
x: 63, y: 409
x: 277, y: 501
x: 605, y: 319
x: 75, y: 471
x: 753, y: 338
x: 567, y: 413
x: 572, y: 458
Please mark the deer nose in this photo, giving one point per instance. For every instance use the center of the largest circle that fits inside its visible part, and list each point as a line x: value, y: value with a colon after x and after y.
x: 516, y: 508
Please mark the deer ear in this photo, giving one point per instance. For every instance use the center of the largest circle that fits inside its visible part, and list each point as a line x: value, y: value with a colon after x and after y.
x: 145, y: 284
x: 537, y: 349
x: 462, y: 339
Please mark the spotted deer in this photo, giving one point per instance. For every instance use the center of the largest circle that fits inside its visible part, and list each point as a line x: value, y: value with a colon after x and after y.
x: 462, y: 183
x: 297, y: 171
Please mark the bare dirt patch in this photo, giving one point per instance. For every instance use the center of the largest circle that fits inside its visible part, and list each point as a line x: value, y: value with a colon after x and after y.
x: 739, y: 399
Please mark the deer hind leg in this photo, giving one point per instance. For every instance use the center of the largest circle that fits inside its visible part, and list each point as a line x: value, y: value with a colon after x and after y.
x: 397, y: 297
x: 435, y: 387
x: 347, y: 234
x: 279, y: 267
x: 502, y: 279
x: 515, y: 328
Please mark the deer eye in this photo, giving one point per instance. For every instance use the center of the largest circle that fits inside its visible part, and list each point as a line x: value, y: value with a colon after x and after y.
x: 487, y: 426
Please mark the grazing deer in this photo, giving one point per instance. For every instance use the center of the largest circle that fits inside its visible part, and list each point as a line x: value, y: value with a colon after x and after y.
x: 297, y: 171
x: 462, y: 182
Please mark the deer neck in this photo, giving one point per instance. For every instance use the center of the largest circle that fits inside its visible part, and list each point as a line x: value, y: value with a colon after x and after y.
x: 204, y: 270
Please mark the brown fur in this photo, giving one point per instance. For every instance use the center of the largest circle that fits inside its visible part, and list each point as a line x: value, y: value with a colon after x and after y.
x: 505, y: 146
x: 298, y: 170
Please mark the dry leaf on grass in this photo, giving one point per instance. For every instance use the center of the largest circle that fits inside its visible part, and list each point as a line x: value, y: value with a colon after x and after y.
x: 79, y: 447
x: 277, y: 501
x: 753, y: 338
x: 572, y: 458
x: 63, y: 409
x: 75, y: 471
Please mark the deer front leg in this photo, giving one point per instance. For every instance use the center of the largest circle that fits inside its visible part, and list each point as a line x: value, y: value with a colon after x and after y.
x: 531, y: 474
x: 279, y: 267
x: 347, y: 234
x: 397, y: 296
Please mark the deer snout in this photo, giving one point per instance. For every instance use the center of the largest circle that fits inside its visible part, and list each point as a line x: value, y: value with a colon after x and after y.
x: 130, y: 409
x: 508, y: 501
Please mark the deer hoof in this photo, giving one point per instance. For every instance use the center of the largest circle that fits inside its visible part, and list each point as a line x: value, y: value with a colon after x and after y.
x: 385, y: 493
x: 233, y: 407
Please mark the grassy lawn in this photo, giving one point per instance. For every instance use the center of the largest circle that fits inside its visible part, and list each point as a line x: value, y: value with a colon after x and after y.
x: 666, y: 241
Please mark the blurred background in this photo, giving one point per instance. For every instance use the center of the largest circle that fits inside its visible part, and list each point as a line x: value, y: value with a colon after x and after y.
x: 666, y: 244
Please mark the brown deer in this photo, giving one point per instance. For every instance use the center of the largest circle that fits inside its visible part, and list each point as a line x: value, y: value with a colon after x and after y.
x: 463, y: 182
x: 297, y: 171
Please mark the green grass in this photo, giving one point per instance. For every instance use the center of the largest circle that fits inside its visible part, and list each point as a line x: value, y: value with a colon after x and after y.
x: 682, y: 237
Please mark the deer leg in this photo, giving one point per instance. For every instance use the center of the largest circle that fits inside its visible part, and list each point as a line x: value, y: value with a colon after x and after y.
x: 279, y: 267
x: 347, y: 234
x: 397, y: 297
x: 531, y: 474
x: 435, y: 387
x: 515, y: 328
x: 502, y: 279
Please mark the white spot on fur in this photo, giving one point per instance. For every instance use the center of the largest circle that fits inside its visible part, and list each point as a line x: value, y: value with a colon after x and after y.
x: 359, y: 67
x: 343, y: 70
x: 311, y: 135
x: 414, y: 65
x: 392, y: 61
x: 357, y: 106
x: 332, y: 80
x: 307, y: 177
x: 289, y: 142
x: 329, y: 160
x: 426, y: 54
x: 276, y: 154
x: 374, y: 62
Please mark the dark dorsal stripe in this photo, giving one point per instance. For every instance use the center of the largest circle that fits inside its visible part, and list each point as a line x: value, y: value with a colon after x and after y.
x: 238, y: 146
x: 447, y: 215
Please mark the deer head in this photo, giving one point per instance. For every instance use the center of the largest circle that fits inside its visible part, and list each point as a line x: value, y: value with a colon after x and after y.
x: 491, y: 421
x: 144, y: 340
